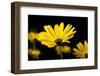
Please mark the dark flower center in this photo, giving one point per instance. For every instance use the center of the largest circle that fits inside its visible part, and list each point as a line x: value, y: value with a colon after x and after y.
x: 58, y: 41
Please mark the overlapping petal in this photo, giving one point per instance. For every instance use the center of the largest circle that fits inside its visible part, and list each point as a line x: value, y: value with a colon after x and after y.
x: 49, y: 30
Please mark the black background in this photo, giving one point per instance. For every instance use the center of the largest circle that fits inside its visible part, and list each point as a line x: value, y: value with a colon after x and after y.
x: 37, y: 22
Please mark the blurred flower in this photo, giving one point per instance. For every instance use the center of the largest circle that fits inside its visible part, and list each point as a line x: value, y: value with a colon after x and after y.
x: 51, y: 37
x: 66, y: 49
x: 62, y: 49
x: 82, y: 50
x: 32, y: 36
x: 34, y: 53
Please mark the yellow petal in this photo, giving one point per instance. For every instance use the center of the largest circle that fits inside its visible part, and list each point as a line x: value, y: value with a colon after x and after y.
x: 45, y: 36
x: 71, y: 32
x: 67, y: 28
x: 77, y: 55
x: 80, y: 46
x: 49, y: 44
x: 61, y: 27
x: 50, y: 31
x: 86, y: 46
x: 77, y: 51
x: 68, y: 33
x: 56, y: 29
x: 70, y: 36
x: 67, y: 39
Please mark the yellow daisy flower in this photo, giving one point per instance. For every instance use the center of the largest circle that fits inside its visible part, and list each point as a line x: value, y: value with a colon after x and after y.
x: 34, y: 53
x: 32, y: 36
x: 82, y: 50
x: 51, y: 37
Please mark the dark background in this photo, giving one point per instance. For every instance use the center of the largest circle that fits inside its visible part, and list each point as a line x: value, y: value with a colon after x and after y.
x: 36, y: 23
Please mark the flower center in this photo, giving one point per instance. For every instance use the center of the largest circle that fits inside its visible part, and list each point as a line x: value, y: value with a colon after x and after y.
x: 58, y: 41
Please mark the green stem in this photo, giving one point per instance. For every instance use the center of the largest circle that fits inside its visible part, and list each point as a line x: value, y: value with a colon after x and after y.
x: 37, y: 57
x: 61, y: 55
x: 34, y: 46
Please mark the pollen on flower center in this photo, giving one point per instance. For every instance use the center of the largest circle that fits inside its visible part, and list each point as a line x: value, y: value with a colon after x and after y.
x: 58, y: 41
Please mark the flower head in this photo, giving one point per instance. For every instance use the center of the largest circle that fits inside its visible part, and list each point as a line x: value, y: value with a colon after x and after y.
x: 32, y: 36
x: 66, y: 49
x: 51, y: 37
x: 34, y: 53
x: 82, y: 50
